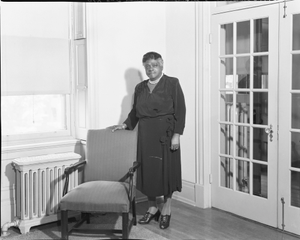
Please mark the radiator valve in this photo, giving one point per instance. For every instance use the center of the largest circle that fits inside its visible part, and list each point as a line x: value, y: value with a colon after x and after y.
x: 6, y: 226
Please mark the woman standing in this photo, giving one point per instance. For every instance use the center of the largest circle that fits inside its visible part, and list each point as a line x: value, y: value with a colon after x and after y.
x: 159, y: 108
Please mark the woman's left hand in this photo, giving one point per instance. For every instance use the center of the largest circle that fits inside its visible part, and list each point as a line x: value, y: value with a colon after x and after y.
x: 175, y: 142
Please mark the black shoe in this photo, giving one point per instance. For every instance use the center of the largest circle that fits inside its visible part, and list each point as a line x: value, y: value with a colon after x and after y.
x: 148, y: 217
x: 164, y: 221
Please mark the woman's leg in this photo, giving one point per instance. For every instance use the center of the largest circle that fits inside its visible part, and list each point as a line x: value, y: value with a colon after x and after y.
x: 152, y: 205
x: 167, y: 205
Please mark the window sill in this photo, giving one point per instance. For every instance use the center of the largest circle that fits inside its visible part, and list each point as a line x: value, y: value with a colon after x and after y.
x: 18, y: 146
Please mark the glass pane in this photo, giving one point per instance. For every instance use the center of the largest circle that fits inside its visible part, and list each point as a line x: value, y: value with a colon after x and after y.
x: 226, y: 139
x: 243, y: 72
x: 296, y: 71
x: 296, y: 32
x: 295, y: 189
x: 243, y: 37
x: 32, y: 114
x: 226, y: 39
x: 226, y: 73
x: 243, y: 107
x: 242, y: 178
x: 260, y: 108
x: 226, y: 106
x: 243, y: 141
x: 260, y: 144
x: 295, y: 150
x: 261, y: 72
x: 260, y: 180
x: 296, y: 110
x: 226, y: 172
x: 261, y: 35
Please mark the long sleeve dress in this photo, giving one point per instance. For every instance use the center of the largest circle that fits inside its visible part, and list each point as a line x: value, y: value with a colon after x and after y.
x: 160, y: 114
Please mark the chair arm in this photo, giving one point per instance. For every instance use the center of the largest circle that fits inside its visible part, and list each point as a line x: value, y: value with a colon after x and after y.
x: 68, y: 171
x: 130, y: 175
x: 74, y: 167
x: 134, y: 167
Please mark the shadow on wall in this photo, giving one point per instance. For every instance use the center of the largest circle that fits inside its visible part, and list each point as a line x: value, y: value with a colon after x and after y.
x: 132, y: 78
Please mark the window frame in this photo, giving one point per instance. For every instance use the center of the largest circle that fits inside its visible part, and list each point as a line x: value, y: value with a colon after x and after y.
x: 23, y: 138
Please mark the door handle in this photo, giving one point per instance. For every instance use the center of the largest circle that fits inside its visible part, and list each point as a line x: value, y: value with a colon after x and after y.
x: 270, y: 132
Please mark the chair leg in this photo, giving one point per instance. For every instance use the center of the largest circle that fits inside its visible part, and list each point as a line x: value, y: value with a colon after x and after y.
x: 133, y: 212
x: 125, y: 227
x: 86, y: 217
x: 64, y: 225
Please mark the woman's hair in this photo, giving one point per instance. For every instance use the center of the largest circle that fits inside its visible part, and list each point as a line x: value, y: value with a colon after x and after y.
x: 151, y: 55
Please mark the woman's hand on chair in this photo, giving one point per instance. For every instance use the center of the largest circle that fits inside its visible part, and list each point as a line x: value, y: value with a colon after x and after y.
x: 118, y: 127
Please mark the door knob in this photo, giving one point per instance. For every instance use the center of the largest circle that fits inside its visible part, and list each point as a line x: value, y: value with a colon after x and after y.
x: 270, y: 132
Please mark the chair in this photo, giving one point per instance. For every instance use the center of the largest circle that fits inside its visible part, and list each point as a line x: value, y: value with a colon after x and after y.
x: 108, y: 181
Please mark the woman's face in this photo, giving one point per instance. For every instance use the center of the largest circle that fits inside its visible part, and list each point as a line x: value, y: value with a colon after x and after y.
x: 153, y: 68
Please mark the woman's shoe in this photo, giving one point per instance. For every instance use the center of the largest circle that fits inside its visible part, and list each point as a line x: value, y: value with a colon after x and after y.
x: 164, y: 221
x: 149, y: 216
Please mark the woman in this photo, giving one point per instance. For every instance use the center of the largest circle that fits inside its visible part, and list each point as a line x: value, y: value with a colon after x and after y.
x: 159, y: 108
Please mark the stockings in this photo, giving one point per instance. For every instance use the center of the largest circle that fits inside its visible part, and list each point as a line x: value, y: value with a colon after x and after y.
x: 166, y: 206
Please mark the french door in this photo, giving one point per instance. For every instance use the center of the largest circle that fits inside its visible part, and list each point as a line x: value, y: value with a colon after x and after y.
x: 255, y: 174
x: 289, y: 119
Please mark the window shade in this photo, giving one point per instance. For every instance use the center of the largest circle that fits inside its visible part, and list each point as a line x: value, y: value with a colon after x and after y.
x: 35, y: 66
x: 35, y: 58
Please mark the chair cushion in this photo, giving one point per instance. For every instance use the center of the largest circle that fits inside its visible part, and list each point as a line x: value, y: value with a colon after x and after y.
x: 97, y: 196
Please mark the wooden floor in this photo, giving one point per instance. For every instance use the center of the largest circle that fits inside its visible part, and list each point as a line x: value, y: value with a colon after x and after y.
x: 188, y: 222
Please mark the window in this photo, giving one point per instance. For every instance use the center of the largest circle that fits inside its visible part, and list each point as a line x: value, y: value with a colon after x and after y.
x: 35, y: 71
x: 33, y: 114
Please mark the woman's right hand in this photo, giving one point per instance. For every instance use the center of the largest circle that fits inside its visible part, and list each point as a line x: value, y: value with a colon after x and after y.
x: 118, y: 127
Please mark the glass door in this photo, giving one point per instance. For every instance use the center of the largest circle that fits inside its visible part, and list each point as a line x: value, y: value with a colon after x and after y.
x: 289, y: 118
x: 244, y: 112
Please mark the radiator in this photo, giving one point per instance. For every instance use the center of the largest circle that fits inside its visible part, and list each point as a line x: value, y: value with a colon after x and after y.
x: 39, y: 185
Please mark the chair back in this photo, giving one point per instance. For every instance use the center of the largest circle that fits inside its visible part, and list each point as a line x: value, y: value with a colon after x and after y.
x: 109, y: 154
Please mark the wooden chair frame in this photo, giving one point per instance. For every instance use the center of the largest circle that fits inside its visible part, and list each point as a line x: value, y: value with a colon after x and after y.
x: 126, y: 224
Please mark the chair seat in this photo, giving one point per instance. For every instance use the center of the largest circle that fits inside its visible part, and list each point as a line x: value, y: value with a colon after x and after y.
x: 97, y: 196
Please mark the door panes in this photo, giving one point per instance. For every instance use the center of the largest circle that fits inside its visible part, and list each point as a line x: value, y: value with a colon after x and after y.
x: 260, y: 144
x: 260, y: 180
x: 226, y: 35
x: 243, y: 72
x: 261, y: 35
x: 226, y: 106
x: 296, y: 110
x: 242, y: 180
x: 296, y: 71
x: 260, y: 108
x: 226, y: 139
x: 295, y: 150
x: 226, y: 73
x: 244, y: 106
x: 261, y: 72
x: 226, y: 172
x: 295, y: 189
x: 243, y: 37
x: 296, y: 32
x: 242, y: 141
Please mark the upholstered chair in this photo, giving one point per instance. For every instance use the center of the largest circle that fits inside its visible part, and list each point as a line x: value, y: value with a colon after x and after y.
x: 108, y: 181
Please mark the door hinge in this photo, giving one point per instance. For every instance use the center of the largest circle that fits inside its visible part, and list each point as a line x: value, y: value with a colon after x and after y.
x: 210, y: 178
x: 210, y: 38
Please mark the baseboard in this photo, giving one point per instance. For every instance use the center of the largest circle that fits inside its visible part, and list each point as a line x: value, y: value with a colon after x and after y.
x: 187, y: 194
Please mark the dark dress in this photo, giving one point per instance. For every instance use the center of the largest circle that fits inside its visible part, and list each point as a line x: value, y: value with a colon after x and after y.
x: 160, y: 114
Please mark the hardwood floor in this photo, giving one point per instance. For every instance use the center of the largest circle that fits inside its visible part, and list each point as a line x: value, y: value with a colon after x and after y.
x: 190, y: 222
